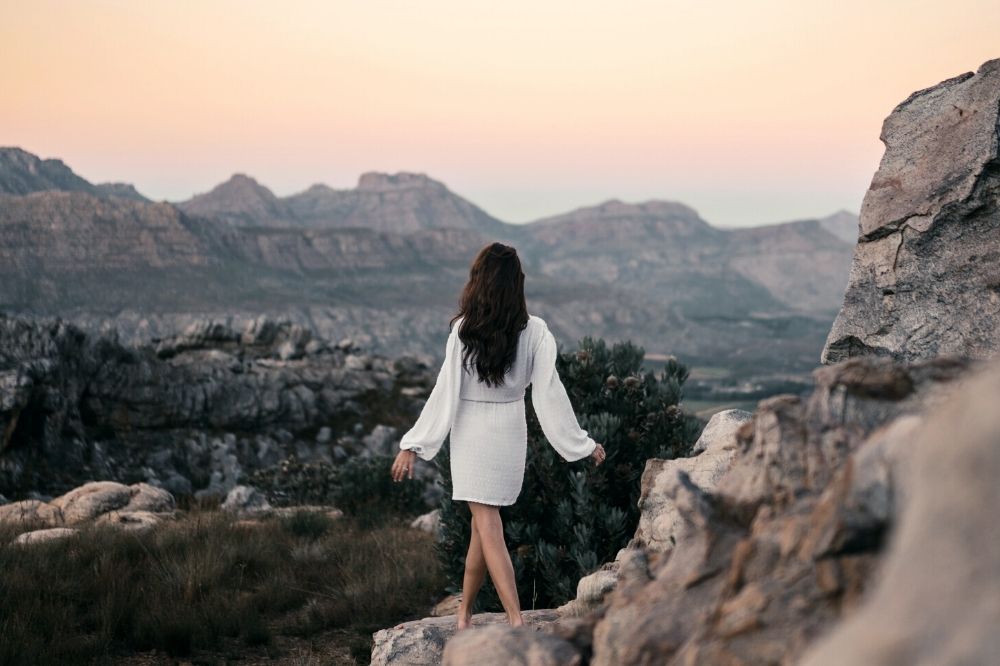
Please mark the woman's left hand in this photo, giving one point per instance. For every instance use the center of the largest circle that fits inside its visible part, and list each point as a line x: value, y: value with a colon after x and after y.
x: 402, y: 467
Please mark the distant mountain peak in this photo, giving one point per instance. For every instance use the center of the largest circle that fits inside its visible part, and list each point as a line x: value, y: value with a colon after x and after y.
x: 22, y: 172
x: 239, y: 199
x: 403, y: 180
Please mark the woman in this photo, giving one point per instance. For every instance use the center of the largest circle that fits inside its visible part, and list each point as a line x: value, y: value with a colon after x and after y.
x: 495, y: 349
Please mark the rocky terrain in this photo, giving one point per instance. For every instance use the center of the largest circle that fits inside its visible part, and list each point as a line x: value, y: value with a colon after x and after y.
x: 854, y: 525
x: 193, y: 413
x: 919, y: 219
x: 383, y: 263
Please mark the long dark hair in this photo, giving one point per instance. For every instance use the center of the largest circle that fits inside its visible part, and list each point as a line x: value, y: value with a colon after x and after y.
x: 494, y: 312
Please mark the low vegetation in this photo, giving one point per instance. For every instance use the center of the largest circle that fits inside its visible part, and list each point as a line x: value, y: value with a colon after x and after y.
x: 304, y: 589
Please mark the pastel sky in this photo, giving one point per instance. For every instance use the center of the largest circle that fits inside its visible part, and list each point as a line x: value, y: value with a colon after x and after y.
x: 750, y: 111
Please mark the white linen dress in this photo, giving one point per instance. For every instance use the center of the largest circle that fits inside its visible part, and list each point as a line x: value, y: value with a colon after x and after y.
x: 489, y: 432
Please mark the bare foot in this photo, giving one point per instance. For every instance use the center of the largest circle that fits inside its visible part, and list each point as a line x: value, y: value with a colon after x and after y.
x: 464, y: 620
x: 516, y: 621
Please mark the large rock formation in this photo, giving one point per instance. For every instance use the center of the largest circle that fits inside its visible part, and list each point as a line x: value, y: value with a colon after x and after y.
x: 937, y: 600
x: 421, y: 642
x: 782, y: 548
x: 196, y: 412
x: 926, y: 275
x: 136, y: 507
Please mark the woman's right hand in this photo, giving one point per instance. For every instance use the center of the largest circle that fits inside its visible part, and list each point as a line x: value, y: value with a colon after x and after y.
x: 598, y: 455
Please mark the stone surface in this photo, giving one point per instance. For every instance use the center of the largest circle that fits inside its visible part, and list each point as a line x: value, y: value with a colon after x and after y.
x: 42, y: 536
x: 790, y: 538
x: 659, y: 520
x: 937, y: 600
x: 149, y: 498
x: 91, y: 500
x: 660, y: 523
x: 499, y: 645
x: 447, y: 606
x: 137, y: 521
x: 925, y: 278
x: 30, y: 511
x: 429, y: 522
x: 421, y: 642
x: 245, y: 499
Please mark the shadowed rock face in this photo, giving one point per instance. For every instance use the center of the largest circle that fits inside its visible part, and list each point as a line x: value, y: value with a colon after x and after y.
x: 926, y: 273
x: 193, y: 412
x: 938, y: 597
x: 788, y: 541
x: 785, y: 544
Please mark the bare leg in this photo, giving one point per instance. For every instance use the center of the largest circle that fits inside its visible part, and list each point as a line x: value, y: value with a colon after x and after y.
x: 475, y: 573
x: 490, y: 526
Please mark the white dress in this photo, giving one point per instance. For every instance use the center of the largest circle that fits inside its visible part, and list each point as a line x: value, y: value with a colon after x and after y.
x: 489, y: 437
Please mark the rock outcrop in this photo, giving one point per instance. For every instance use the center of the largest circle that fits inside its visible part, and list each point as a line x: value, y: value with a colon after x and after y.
x: 135, y: 507
x: 660, y: 521
x: 193, y: 414
x: 926, y: 276
x: 421, y: 642
x: 937, y: 599
x: 783, y: 547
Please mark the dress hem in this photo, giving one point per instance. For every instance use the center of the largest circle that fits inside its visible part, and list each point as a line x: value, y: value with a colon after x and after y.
x: 482, y: 501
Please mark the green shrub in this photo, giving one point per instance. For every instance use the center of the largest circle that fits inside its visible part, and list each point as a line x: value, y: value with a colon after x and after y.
x: 361, y: 487
x: 307, y: 524
x: 572, y: 517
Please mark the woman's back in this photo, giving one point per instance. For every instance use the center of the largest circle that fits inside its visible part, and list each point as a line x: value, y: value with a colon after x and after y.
x: 517, y: 378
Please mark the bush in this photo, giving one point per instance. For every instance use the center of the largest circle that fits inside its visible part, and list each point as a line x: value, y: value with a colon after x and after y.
x: 572, y: 517
x: 360, y: 487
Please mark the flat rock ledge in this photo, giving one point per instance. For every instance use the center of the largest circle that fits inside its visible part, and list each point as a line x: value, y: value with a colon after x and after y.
x: 421, y: 642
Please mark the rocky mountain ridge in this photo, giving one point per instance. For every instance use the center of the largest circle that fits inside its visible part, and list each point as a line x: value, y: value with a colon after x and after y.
x: 23, y: 173
x: 384, y: 263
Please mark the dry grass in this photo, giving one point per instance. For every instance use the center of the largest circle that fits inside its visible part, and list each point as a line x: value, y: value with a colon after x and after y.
x: 303, y: 589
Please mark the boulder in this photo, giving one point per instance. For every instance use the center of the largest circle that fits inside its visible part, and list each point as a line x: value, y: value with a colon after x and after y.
x: 429, y: 522
x: 41, y: 536
x: 245, y: 499
x: 91, y: 500
x: 135, y: 521
x: 720, y: 431
x: 500, y: 645
x: 422, y: 642
x: 31, y: 511
x: 788, y: 540
x: 936, y: 600
x: 659, y: 521
x: 149, y: 498
x: 447, y: 606
x: 924, y: 279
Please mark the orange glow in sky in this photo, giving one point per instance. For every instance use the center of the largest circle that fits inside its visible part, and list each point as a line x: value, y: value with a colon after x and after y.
x: 752, y: 112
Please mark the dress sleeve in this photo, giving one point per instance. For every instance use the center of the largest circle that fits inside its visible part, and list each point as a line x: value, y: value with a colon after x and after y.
x: 438, y: 413
x: 552, y: 405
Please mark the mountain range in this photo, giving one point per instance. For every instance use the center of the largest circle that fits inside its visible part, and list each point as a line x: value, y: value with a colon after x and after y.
x: 384, y: 262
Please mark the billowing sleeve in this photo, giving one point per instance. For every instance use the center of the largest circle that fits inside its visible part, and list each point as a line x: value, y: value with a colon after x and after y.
x: 436, y: 418
x: 552, y: 405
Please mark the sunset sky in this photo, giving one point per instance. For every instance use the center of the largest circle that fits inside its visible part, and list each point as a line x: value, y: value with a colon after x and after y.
x: 752, y: 112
